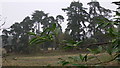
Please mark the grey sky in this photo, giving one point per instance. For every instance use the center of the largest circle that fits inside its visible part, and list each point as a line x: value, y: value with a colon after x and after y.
x: 17, y: 10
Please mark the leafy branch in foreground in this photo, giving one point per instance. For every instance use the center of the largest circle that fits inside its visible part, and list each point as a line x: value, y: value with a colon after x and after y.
x: 47, y: 35
x: 113, y: 50
x: 70, y: 44
x: 83, y: 60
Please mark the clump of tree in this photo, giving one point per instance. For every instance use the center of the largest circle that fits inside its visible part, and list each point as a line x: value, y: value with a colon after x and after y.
x: 77, y: 16
x: 20, y: 32
x: 83, y: 25
x: 112, y: 50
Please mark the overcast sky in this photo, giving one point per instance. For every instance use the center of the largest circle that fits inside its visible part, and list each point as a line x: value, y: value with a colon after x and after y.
x: 17, y: 10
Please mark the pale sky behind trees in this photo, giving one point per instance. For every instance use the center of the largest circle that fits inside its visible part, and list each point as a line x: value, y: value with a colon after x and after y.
x: 13, y: 11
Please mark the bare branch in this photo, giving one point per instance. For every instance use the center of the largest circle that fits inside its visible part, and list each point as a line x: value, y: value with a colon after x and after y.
x: 3, y: 22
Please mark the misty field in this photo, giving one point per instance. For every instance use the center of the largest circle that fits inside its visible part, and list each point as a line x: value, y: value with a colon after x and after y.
x: 49, y: 58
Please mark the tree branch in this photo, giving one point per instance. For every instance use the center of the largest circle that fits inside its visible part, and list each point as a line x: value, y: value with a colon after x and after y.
x: 98, y: 44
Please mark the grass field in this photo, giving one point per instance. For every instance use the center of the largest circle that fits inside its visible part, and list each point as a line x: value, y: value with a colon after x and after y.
x: 48, y: 58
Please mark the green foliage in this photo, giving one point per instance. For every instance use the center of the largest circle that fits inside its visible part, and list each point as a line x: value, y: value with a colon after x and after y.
x: 31, y: 33
x: 43, y: 37
x: 74, y: 59
x: 96, y: 51
x: 80, y: 58
x: 111, y: 50
x: 114, y: 32
x: 70, y: 44
x: 38, y: 40
x: 63, y: 62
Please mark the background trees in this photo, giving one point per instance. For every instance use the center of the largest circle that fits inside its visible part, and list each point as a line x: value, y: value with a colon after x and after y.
x: 77, y: 16
x: 83, y: 25
x: 18, y: 32
x: 38, y: 17
x: 97, y: 13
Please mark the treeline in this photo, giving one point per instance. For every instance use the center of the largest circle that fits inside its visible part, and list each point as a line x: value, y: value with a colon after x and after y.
x: 82, y: 25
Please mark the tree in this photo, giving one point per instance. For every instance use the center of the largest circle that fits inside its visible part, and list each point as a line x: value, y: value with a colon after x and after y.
x: 37, y: 18
x: 27, y: 26
x: 5, y: 37
x: 15, y: 32
x: 58, y: 29
x: 48, y: 23
x: 77, y: 17
x: 20, y: 37
x: 97, y: 13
